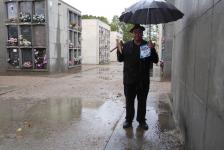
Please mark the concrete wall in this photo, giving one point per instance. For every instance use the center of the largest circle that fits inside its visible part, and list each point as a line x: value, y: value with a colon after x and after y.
x: 168, y: 34
x: 58, y: 34
x: 2, y: 39
x: 62, y: 37
x: 197, y: 73
x: 167, y: 42
x: 90, y: 40
x: 53, y: 25
x: 113, y: 36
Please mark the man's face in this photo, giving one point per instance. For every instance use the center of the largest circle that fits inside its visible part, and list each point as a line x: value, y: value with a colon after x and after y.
x: 137, y: 34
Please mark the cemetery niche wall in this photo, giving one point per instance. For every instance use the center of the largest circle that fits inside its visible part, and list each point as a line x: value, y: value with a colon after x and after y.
x: 26, y: 34
x: 30, y: 28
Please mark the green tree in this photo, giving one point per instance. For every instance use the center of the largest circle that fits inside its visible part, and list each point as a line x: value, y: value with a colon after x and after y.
x: 101, y: 18
x: 126, y: 32
x: 118, y: 26
x: 115, y: 24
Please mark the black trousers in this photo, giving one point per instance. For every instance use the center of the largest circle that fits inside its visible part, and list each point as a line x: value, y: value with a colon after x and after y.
x: 131, y: 91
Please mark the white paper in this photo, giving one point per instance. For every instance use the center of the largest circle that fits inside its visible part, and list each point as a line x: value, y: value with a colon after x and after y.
x: 145, y: 51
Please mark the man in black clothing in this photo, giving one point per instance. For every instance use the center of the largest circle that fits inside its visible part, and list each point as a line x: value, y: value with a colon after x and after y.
x: 137, y: 56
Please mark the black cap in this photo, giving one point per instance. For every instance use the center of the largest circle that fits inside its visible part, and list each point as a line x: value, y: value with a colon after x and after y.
x: 137, y: 26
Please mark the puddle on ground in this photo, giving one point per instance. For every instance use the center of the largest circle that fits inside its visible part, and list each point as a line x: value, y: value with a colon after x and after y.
x: 103, y: 69
x: 77, y: 76
x: 104, y: 74
x: 162, y: 132
x: 166, y: 122
x: 24, y: 117
x: 105, y: 77
x: 101, y: 73
x: 165, y: 117
x: 6, y: 89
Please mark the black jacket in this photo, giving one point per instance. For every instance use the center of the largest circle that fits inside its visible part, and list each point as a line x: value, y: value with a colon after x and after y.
x: 136, y: 70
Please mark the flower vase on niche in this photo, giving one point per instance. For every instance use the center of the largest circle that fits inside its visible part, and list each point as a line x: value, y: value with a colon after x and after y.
x: 24, y: 17
x: 23, y: 41
x: 27, y: 65
x: 12, y: 42
x: 38, y: 18
x: 40, y: 59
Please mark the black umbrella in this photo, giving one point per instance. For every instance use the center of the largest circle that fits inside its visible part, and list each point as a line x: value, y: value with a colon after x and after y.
x: 151, y: 12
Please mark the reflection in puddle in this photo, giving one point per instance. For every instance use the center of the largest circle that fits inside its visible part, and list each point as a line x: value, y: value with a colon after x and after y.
x: 104, y: 74
x: 160, y: 117
x: 100, y: 70
x: 139, y: 133
x: 92, y: 103
x: 162, y: 133
x: 129, y: 133
x: 164, y: 106
x: 6, y: 89
x: 77, y: 76
x: 23, y: 118
x: 166, y: 122
x: 105, y: 77
x: 165, y: 117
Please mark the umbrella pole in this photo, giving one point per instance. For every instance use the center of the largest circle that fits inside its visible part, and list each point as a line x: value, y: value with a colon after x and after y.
x: 149, y: 32
x: 149, y: 25
x: 149, y: 36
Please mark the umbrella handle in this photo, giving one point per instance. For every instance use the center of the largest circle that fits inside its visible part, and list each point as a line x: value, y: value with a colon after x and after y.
x: 113, y: 49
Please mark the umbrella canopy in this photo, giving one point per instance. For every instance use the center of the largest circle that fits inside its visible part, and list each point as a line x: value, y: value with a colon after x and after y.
x: 151, y: 12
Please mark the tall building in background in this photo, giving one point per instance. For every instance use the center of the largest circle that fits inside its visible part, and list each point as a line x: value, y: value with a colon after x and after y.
x: 95, y: 42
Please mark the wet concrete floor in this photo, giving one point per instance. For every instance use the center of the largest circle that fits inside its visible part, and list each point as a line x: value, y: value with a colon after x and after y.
x: 83, y: 111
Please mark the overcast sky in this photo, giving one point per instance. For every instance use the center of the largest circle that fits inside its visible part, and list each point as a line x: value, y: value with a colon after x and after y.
x: 106, y: 8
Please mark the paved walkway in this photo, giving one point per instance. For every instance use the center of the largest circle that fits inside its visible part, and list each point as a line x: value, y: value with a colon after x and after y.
x: 82, y: 111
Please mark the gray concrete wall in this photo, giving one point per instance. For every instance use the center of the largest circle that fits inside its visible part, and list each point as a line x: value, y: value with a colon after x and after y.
x: 167, y: 42
x: 168, y: 35
x: 2, y: 39
x: 167, y: 51
x: 54, y: 47
x: 197, y: 73
x: 62, y: 30
x: 90, y: 42
x: 58, y: 34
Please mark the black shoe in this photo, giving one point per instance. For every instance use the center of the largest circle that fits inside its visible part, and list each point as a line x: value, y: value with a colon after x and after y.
x: 143, y: 125
x: 127, y: 125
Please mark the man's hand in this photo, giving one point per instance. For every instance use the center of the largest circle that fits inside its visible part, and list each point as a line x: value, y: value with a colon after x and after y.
x: 150, y: 44
x: 120, y: 45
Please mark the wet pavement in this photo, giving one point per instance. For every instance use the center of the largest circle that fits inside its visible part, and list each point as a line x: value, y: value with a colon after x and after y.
x: 83, y: 111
